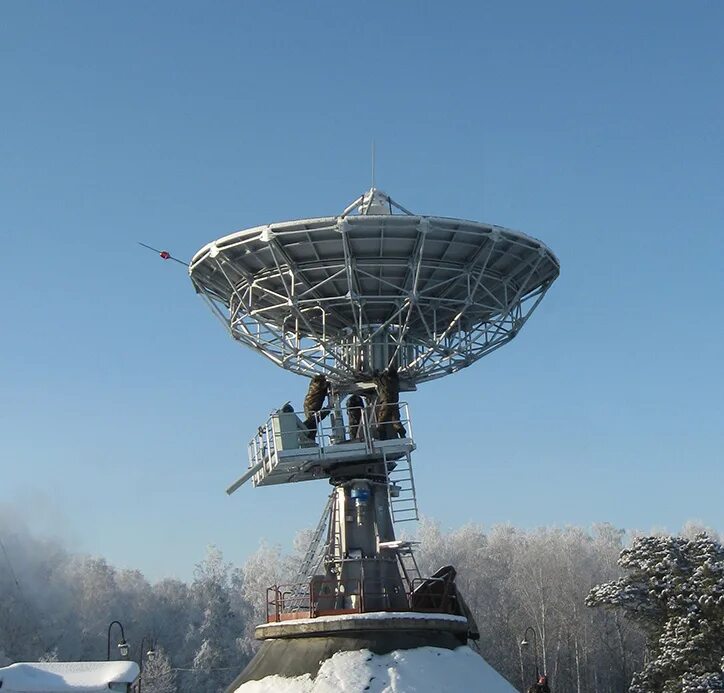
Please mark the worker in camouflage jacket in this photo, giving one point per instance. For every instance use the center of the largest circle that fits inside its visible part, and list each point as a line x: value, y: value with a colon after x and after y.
x: 388, y: 407
x: 314, y: 410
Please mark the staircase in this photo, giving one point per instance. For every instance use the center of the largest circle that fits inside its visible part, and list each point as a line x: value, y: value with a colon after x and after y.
x: 408, y: 565
x: 312, y: 559
x: 317, y: 548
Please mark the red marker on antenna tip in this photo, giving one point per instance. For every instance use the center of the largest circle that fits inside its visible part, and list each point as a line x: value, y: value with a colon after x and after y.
x: 164, y: 254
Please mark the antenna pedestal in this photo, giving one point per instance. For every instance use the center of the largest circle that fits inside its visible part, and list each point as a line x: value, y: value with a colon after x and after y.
x: 359, y: 575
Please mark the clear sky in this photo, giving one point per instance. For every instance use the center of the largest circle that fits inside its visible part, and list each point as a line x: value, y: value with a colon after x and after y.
x: 596, y: 127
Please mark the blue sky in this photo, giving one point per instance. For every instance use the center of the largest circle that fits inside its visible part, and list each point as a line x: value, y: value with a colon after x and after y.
x: 596, y: 127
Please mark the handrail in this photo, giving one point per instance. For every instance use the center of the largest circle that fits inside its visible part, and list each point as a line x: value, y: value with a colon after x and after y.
x: 277, y: 434
x: 302, y: 600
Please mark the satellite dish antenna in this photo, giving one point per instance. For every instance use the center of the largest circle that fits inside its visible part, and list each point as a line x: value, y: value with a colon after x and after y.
x: 370, y: 293
x: 374, y: 286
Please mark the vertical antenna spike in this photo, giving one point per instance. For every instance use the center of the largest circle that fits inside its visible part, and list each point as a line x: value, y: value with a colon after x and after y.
x: 373, y: 164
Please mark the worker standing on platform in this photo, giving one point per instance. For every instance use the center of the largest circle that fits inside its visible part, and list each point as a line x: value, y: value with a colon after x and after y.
x: 355, y: 405
x: 314, y: 410
x: 388, y: 404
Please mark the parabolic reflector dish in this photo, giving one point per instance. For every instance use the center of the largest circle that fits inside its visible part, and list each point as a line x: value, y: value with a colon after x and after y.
x: 346, y: 295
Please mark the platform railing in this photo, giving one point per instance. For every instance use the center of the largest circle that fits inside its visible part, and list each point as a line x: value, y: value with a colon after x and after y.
x: 311, y: 600
x: 285, y: 430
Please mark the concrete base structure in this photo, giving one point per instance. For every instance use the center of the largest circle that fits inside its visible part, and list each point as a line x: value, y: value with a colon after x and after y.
x: 297, y: 647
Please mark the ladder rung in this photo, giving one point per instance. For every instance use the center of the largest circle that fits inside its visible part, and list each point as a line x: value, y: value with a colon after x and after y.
x: 403, y: 506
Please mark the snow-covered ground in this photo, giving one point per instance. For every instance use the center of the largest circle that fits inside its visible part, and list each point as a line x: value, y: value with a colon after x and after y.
x: 422, y: 670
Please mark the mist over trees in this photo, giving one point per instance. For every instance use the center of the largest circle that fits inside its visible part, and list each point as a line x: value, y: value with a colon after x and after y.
x: 55, y: 604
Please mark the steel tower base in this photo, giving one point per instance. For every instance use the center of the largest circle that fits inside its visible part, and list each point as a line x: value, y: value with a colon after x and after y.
x: 295, y: 648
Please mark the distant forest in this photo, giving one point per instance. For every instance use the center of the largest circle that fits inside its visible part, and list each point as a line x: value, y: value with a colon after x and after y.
x: 55, y: 604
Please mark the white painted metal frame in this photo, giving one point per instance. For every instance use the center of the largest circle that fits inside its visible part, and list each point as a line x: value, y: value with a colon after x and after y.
x: 271, y: 462
x: 349, y: 294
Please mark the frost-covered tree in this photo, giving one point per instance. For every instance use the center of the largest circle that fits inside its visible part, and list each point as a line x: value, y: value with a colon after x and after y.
x: 674, y: 591
x: 217, y: 658
x: 158, y: 675
x: 50, y: 656
x: 173, y: 619
x: 264, y: 568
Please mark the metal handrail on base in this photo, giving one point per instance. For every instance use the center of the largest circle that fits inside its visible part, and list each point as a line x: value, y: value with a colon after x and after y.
x: 302, y: 600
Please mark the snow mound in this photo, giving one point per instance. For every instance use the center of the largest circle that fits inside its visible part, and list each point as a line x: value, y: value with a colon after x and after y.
x: 421, y: 670
x: 49, y: 677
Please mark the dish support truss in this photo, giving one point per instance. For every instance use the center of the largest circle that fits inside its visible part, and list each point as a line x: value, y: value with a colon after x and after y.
x: 348, y: 295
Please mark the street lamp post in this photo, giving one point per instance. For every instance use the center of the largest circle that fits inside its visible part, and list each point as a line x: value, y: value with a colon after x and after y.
x: 522, y: 672
x: 524, y: 643
x: 122, y: 646
x: 149, y: 656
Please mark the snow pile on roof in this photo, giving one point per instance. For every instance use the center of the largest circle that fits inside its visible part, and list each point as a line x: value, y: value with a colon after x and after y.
x: 422, y: 670
x: 49, y: 677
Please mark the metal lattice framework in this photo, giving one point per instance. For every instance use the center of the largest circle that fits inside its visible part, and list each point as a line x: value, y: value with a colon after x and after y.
x: 348, y: 294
